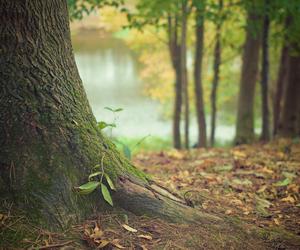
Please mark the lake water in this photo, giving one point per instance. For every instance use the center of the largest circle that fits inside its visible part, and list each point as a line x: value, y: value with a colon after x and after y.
x: 110, y: 74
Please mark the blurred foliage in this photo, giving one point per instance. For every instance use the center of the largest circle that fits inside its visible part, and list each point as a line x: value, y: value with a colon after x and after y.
x: 148, y: 38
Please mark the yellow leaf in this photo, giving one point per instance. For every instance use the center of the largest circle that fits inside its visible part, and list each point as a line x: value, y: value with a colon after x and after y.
x: 115, y: 242
x: 147, y: 237
x: 103, y: 243
x: 239, y: 154
x: 288, y: 199
x: 97, y: 233
x: 262, y: 189
x: 266, y: 170
x: 276, y: 221
x: 228, y: 211
x: 128, y: 228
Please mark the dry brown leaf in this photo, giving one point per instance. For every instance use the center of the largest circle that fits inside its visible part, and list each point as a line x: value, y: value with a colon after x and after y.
x: 262, y: 189
x: 144, y: 236
x: 97, y: 234
x: 238, y: 154
x: 228, y: 211
x: 103, y: 243
x: 116, y: 243
x: 288, y: 199
x: 128, y: 228
x: 276, y: 221
x: 143, y: 247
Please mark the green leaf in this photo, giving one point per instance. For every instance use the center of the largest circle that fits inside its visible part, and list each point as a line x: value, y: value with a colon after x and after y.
x: 108, y: 108
x: 289, y: 175
x: 118, y: 110
x: 113, y: 110
x: 109, y: 181
x: 103, y: 125
x: 283, y: 183
x: 88, y: 187
x: 225, y: 168
x: 106, y: 194
x: 126, y: 151
x: 95, y: 174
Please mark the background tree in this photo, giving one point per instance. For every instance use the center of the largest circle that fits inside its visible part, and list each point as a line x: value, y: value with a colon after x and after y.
x: 200, y: 111
x: 281, y: 80
x: 184, y: 74
x: 172, y: 16
x: 216, y: 69
x: 245, y: 115
x: 290, y: 115
x: 265, y: 134
x: 175, y: 55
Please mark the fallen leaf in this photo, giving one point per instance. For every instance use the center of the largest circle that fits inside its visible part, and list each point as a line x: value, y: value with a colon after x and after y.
x: 143, y: 247
x: 238, y: 154
x: 97, y: 233
x: 103, y: 243
x: 288, y: 199
x: 116, y: 243
x: 144, y: 236
x: 228, y: 211
x: 282, y: 183
x: 224, y: 168
x: 261, y: 189
x: 276, y: 221
x: 128, y: 228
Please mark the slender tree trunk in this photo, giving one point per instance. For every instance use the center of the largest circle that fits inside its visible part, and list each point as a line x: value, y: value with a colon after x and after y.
x: 290, y: 115
x: 198, y: 78
x: 281, y: 82
x: 175, y: 55
x: 184, y: 76
x: 245, y: 114
x: 265, y: 135
x: 215, y: 83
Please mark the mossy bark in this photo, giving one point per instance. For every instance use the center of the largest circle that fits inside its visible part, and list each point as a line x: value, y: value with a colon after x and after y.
x: 49, y: 136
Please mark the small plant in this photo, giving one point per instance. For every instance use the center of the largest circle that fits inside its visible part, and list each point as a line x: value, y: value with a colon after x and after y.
x: 95, y: 181
x: 127, y: 151
x: 103, y: 124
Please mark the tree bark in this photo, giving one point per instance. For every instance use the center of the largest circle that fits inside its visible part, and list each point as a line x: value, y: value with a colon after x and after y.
x: 290, y: 115
x: 175, y: 55
x: 215, y: 83
x: 184, y: 76
x: 281, y: 82
x: 245, y: 114
x: 265, y: 134
x: 50, y: 141
x: 198, y: 77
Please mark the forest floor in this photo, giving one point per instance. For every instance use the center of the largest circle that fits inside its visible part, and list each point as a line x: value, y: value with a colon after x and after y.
x: 258, y: 183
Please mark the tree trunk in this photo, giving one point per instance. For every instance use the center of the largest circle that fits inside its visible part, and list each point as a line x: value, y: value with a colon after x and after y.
x: 49, y: 137
x: 245, y: 114
x: 281, y: 82
x: 290, y: 115
x: 184, y: 77
x: 265, y: 134
x: 215, y: 83
x: 198, y: 78
x: 175, y: 55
